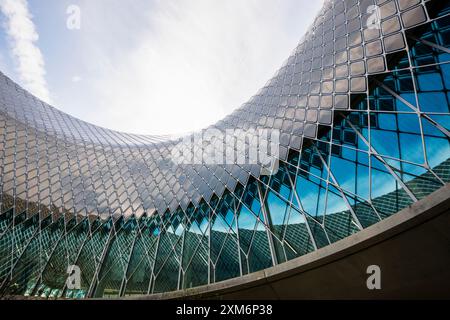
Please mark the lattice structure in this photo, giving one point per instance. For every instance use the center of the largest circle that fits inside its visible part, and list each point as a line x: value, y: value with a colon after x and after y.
x: 364, y: 119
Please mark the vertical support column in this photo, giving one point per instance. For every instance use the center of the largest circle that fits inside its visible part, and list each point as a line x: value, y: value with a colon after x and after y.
x: 124, y: 280
x: 210, y: 215
x: 94, y: 281
x: 235, y: 213
x: 151, y: 282
x: 180, y: 269
x: 269, y: 227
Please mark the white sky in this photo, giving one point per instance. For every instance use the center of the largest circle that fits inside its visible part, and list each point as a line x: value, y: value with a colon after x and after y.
x: 153, y: 67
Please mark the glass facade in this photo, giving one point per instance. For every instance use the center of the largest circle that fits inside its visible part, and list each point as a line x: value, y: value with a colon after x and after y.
x: 365, y: 125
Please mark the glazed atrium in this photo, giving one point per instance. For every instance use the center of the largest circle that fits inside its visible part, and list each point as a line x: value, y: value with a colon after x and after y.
x: 362, y: 111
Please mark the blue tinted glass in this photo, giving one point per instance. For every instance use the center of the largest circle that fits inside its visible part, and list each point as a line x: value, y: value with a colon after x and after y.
x: 430, y: 82
x: 277, y: 208
x: 433, y: 102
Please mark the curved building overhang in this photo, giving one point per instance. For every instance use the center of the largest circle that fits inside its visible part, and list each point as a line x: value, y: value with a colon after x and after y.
x: 361, y: 108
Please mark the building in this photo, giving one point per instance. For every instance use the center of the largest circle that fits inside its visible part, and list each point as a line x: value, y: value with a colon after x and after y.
x: 362, y: 108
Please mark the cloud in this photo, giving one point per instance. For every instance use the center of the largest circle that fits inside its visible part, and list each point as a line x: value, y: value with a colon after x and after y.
x: 22, y: 37
x: 172, y: 66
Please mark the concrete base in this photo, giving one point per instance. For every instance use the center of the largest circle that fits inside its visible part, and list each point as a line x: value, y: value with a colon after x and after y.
x: 412, y: 248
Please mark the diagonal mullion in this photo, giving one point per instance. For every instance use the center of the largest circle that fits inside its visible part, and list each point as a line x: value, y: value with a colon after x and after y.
x: 387, y: 166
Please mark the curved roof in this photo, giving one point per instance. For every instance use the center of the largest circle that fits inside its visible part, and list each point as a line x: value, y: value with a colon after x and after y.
x: 301, y: 96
